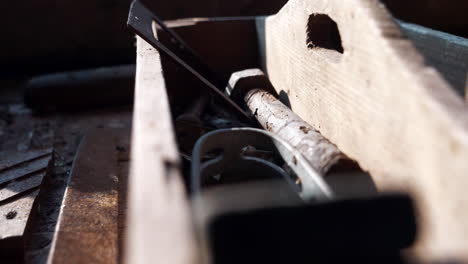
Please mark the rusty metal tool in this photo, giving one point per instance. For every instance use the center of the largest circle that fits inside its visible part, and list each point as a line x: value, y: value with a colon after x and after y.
x: 89, y: 224
x: 252, y: 89
x: 245, y: 181
x: 141, y: 22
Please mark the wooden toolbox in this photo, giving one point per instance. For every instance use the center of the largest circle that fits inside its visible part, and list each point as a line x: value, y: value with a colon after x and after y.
x: 386, y: 92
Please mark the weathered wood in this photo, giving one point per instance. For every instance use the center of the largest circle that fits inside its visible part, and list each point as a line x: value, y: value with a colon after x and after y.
x: 159, y: 228
x: 21, y: 175
x: 445, y: 52
x: 365, y: 87
x: 32, y: 166
x: 10, y: 159
x: 19, y: 186
x: 87, y: 231
x: 14, y: 217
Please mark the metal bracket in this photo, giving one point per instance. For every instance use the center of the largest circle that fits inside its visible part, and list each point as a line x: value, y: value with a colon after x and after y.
x: 233, y: 141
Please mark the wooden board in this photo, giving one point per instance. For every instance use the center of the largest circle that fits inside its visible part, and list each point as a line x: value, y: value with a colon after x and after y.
x: 365, y: 87
x: 21, y: 175
x: 159, y: 227
x: 447, y: 53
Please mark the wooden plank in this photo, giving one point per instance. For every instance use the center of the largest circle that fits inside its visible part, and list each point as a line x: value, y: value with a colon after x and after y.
x: 445, y: 52
x: 159, y: 226
x: 15, y: 215
x: 87, y: 230
x: 30, y: 167
x: 369, y: 92
x: 18, y: 158
x: 21, y: 175
x: 14, y: 188
x: 447, y: 16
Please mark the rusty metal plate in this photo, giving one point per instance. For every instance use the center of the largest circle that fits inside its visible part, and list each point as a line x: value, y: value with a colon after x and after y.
x: 88, y: 226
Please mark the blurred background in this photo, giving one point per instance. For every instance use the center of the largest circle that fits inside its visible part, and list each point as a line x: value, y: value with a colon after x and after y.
x: 48, y: 35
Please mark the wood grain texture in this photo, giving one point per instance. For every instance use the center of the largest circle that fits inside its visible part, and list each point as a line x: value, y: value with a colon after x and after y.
x: 20, y: 180
x: 15, y: 216
x: 21, y: 176
x: 159, y: 227
x: 33, y: 166
x: 16, y: 187
x: 10, y: 159
x: 381, y: 105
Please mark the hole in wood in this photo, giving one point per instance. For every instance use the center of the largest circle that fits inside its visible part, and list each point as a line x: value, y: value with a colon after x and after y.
x: 323, y: 33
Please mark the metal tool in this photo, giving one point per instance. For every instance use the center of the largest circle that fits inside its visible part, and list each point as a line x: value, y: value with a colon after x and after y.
x: 239, y: 223
x: 228, y: 155
x: 252, y: 89
x: 141, y: 20
x: 231, y: 143
x: 99, y: 166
